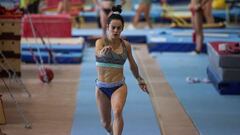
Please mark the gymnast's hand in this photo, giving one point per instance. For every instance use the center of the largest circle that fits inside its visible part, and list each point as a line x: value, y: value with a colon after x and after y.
x: 142, y: 85
x: 105, y: 50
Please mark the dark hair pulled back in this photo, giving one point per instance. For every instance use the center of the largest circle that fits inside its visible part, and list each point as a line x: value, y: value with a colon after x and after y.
x: 116, y: 11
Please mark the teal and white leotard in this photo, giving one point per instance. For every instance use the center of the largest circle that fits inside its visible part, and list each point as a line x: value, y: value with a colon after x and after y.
x: 112, y: 59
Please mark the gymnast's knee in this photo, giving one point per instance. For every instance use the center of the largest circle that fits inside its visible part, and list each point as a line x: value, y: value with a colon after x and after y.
x: 117, y: 113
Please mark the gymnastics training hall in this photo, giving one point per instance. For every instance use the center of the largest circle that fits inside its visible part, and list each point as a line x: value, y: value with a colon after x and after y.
x: 48, y: 68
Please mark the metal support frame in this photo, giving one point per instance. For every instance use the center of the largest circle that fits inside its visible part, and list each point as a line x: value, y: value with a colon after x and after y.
x: 14, y: 76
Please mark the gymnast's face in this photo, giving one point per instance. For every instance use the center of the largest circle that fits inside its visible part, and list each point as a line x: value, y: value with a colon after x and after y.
x: 115, y: 28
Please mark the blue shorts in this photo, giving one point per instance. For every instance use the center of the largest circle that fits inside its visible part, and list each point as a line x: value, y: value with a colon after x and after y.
x: 109, y: 88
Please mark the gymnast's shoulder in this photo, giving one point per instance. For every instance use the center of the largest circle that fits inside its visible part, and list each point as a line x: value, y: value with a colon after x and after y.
x: 126, y: 43
x: 99, y: 42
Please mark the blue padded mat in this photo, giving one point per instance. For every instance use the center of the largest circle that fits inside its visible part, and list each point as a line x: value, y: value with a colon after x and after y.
x: 136, y: 36
x: 54, y: 47
x: 139, y: 118
x: 60, y: 58
x: 225, y: 74
x: 180, y: 40
x: 223, y: 87
x: 212, y: 113
x: 161, y: 36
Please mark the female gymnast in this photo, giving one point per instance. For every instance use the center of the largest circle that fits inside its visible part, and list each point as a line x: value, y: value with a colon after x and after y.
x: 111, y: 90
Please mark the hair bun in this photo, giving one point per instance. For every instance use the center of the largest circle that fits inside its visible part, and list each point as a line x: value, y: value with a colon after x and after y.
x: 117, y: 9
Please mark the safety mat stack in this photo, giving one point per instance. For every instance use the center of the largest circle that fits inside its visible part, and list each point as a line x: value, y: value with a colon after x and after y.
x: 52, y: 50
x: 10, y: 28
x: 224, y: 66
x: 39, y: 25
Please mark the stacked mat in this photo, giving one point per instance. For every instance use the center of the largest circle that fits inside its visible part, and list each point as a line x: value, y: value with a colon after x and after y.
x: 10, y: 35
x: 224, y: 68
x: 47, y: 25
x: 56, y: 50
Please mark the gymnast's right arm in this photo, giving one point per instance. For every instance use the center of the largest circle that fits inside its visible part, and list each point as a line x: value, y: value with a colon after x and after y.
x: 100, y: 49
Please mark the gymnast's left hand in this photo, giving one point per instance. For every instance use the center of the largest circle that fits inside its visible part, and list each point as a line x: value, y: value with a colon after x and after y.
x: 143, y: 86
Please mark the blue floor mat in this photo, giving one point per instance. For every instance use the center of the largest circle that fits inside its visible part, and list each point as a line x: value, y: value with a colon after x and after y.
x: 212, y: 113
